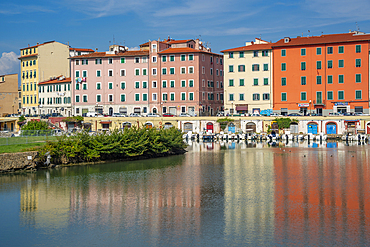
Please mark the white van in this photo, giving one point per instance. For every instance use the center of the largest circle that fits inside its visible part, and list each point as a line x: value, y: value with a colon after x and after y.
x: 91, y: 114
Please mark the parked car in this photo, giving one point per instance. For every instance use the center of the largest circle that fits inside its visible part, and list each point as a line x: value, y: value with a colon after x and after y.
x: 334, y: 114
x: 255, y: 115
x: 134, y: 115
x: 152, y: 115
x: 362, y: 114
x: 349, y: 114
x: 220, y: 114
x: 118, y: 115
x: 91, y: 114
x: 54, y: 114
x: 294, y: 115
x: 275, y: 114
x: 168, y: 115
x: 184, y: 114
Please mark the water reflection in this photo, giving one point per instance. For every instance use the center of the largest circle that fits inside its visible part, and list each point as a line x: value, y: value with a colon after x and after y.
x: 221, y: 193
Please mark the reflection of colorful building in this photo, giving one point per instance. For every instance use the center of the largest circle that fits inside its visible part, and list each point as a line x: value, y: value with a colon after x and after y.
x: 320, y: 195
x: 249, y: 193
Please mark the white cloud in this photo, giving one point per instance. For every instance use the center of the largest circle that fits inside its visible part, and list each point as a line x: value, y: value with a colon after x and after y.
x: 134, y: 48
x: 9, y: 63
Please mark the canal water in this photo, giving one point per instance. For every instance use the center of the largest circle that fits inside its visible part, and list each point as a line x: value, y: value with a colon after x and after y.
x: 217, y: 194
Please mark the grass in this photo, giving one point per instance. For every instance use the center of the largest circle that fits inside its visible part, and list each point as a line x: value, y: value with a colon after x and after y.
x: 25, y: 140
x: 19, y: 147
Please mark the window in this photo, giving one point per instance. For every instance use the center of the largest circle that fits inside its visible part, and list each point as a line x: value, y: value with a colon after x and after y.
x: 256, y: 96
x: 191, y: 83
x: 330, y: 95
x: 241, y: 53
x: 340, y: 95
x: 241, y: 82
x: 303, y: 52
x: 123, y: 72
x: 283, y: 81
x: 154, y: 48
x: 84, y: 86
x: 172, y: 71
x: 98, y: 98
x: 303, y: 80
x: 255, y: 82
x: 191, y: 96
x: 265, y: 81
x: 358, y: 77
x: 265, y: 53
x: 145, y: 84
x: 154, y: 97
x: 84, y: 73
x: 154, y: 84
x: 123, y: 60
x: 110, y: 85
x: 77, y: 62
x: 164, y: 71
x: 231, y: 54
x: 330, y: 79
x: 318, y: 64
x: 123, y: 85
x: 319, y: 97
x: 77, y: 98
x: 172, y: 84
x: 358, y: 63
x: 191, y: 57
x: 164, y: 58
x: 241, y: 68
x: 183, y: 57
x: 183, y: 83
x: 137, y: 71
x: 172, y: 58
x: 110, y: 72
x: 145, y: 97
x: 231, y: 68
x: 98, y: 73
x: 265, y: 67
x: 340, y: 63
x: 255, y: 53
x: 255, y: 67
x: 164, y: 84
x: 183, y: 70
x: 77, y: 87
x: 123, y: 97
x: 77, y: 73
x: 283, y: 96
x: 283, y: 53
x: 144, y: 72
x: 154, y: 59
x: 183, y: 96
x: 283, y: 66
x: 318, y: 80
x: 303, y: 96
x: 191, y: 70
x: 85, y: 61
x: 137, y: 84
x: 358, y: 48
x: 266, y: 96
x: 318, y: 51
x: 330, y: 50
x: 231, y: 82
x: 330, y: 64
x: 358, y: 94
x: 341, y: 49
x: 137, y: 97
x: 241, y: 96
x: 303, y: 65
x: 340, y: 78
x: 84, y: 97
x: 231, y: 97
x: 154, y: 72
x: 137, y: 60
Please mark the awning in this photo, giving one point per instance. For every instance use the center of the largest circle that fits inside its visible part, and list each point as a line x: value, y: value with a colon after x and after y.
x: 105, y: 122
x: 242, y: 108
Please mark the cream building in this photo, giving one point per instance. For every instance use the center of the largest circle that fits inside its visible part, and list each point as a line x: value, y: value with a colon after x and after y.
x: 55, y: 96
x: 8, y: 94
x: 248, y: 78
x: 40, y: 63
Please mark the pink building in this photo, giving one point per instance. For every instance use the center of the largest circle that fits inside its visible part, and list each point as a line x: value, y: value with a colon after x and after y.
x: 185, y: 77
x: 108, y: 82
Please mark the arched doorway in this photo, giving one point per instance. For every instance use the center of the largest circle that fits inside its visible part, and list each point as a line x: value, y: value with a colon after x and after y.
x: 231, y: 128
x: 251, y: 127
x: 126, y: 125
x: 312, y: 128
x: 167, y: 125
x: 148, y: 125
x: 110, y: 111
x: 294, y: 128
x: 188, y: 127
x: 331, y: 129
x: 154, y: 110
x: 209, y: 127
x: 368, y: 128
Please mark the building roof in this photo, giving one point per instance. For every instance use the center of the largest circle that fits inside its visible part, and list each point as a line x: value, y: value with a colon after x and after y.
x: 81, y: 49
x: 324, y: 39
x: 59, y: 79
x: 255, y: 47
x: 38, y: 45
x: 185, y: 50
x: 120, y: 54
x: 179, y: 41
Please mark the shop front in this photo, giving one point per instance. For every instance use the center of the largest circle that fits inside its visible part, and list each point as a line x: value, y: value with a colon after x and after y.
x: 341, y: 107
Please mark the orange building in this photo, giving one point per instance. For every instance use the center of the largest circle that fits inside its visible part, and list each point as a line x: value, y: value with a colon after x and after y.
x: 322, y: 74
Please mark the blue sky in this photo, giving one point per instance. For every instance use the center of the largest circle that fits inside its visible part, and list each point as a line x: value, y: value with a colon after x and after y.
x: 223, y: 24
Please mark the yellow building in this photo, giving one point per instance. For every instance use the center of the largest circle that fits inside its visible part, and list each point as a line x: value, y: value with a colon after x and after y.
x: 8, y: 94
x: 40, y: 63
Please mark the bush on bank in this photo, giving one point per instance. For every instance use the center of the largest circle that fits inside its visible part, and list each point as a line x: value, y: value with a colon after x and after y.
x: 118, y: 144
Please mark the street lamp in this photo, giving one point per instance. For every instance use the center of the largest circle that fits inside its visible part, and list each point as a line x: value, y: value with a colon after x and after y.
x: 310, y: 108
x: 232, y: 108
